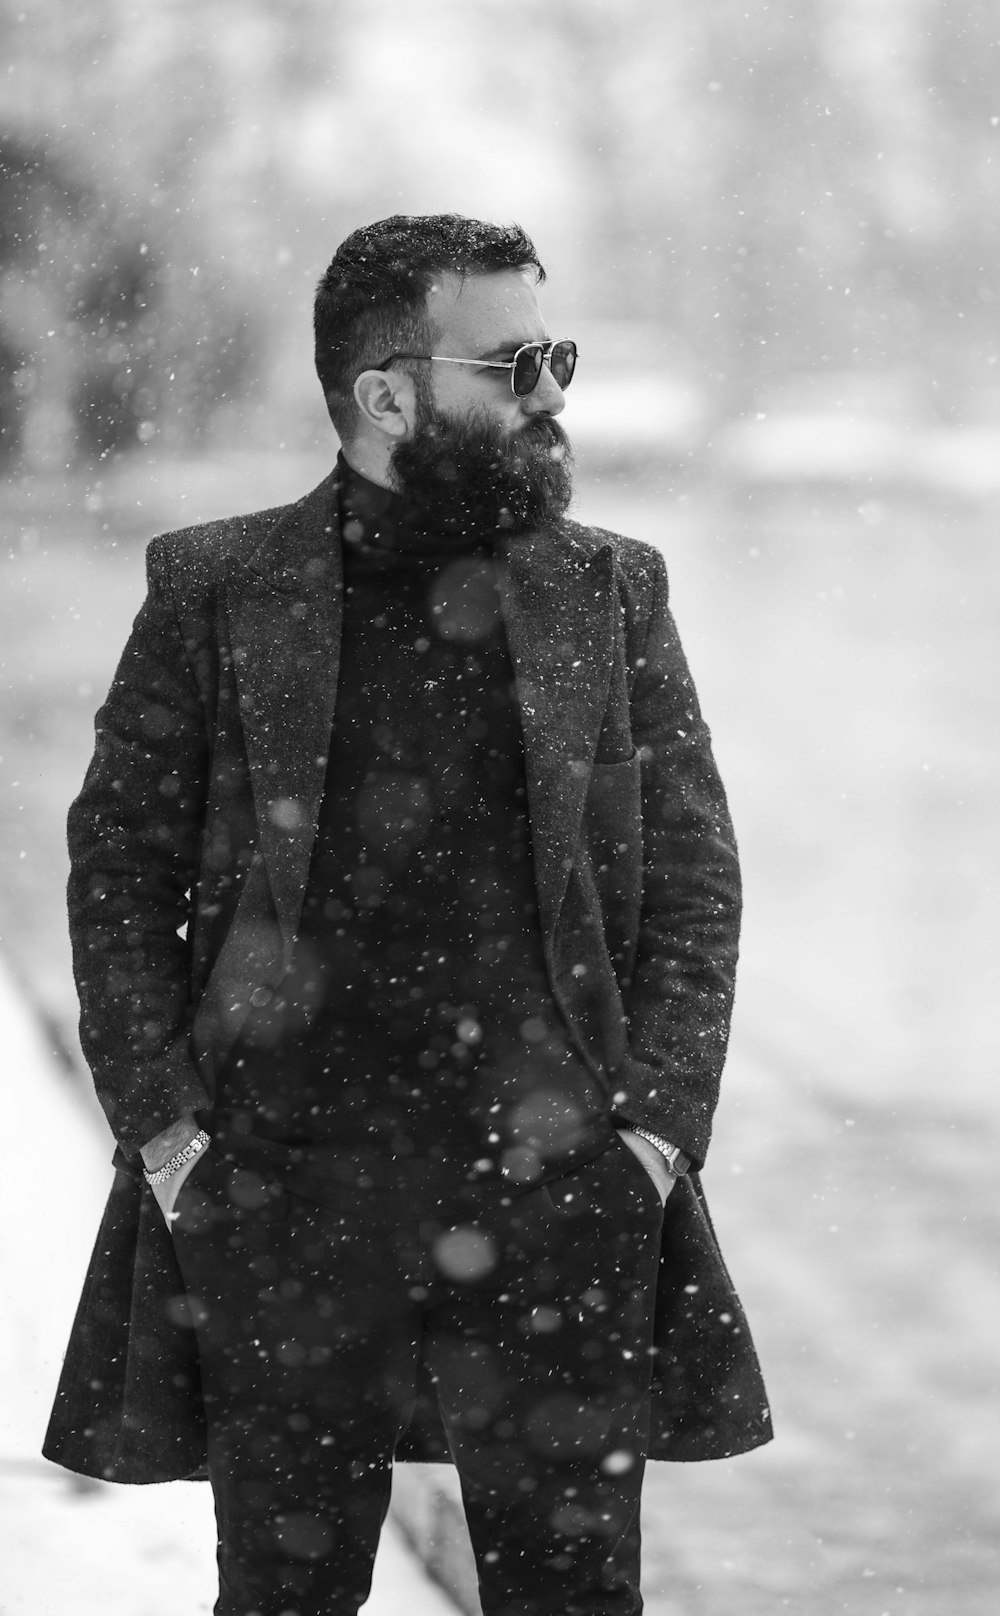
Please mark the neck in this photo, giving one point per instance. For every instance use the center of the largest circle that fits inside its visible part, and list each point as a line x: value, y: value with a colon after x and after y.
x: 377, y: 518
x: 368, y: 462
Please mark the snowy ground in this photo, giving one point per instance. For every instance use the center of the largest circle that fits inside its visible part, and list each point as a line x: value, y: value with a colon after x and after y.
x: 845, y: 653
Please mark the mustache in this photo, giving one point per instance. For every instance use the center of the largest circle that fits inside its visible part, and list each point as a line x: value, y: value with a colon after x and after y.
x: 547, y: 430
x: 541, y: 442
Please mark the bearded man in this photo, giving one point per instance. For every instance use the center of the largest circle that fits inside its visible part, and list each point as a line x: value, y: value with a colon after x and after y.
x: 405, y: 903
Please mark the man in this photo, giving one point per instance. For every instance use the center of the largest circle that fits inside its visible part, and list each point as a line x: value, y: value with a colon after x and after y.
x: 405, y: 906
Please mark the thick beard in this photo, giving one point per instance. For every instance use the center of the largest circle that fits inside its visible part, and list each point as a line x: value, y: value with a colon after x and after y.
x: 468, y: 476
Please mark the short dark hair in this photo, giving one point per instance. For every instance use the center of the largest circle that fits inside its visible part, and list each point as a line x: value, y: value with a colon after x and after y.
x: 372, y: 299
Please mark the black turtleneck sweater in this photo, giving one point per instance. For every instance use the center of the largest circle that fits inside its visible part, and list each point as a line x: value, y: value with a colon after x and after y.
x: 417, y: 1022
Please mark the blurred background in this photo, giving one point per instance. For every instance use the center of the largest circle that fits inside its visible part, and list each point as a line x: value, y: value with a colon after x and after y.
x: 773, y: 231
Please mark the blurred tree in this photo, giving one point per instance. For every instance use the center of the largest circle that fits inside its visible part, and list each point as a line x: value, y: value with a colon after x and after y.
x: 86, y: 315
x: 55, y: 240
x: 113, y: 391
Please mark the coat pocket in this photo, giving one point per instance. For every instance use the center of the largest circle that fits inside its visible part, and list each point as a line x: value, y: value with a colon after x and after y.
x: 201, y: 1166
x: 641, y: 1176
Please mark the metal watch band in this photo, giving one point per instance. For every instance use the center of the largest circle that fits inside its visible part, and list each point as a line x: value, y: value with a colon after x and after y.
x: 674, y: 1157
x: 194, y: 1147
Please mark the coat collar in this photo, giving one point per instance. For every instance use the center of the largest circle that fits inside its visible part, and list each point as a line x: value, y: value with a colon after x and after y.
x: 286, y: 612
x: 301, y: 553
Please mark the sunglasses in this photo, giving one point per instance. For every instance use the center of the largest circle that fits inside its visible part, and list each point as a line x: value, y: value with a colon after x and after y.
x: 525, y: 367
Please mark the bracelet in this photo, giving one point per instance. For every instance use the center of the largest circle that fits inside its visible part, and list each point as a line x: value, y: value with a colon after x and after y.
x: 194, y: 1147
x: 674, y: 1158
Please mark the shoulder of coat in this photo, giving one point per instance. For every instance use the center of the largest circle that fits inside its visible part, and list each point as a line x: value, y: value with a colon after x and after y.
x: 210, y: 544
x: 637, y: 558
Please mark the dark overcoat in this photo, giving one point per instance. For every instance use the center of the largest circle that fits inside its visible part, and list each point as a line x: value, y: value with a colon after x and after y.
x: 190, y: 846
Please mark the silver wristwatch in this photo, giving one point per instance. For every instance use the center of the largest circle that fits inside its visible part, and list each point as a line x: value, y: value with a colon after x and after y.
x: 194, y: 1147
x: 673, y: 1155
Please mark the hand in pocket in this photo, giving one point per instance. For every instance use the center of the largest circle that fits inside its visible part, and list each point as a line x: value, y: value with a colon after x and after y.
x: 166, y: 1193
x: 652, y: 1161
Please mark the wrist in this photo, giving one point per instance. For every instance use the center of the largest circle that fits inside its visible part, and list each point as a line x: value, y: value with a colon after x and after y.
x: 674, y: 1159
x: 179, y: 1159
x: 163, y: 1145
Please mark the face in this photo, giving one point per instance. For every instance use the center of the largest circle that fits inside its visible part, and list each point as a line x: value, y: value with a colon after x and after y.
x: 478, y: 457
x: 489, y: 317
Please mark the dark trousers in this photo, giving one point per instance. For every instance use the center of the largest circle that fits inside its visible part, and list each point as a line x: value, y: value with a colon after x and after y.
x: 534, y: 1314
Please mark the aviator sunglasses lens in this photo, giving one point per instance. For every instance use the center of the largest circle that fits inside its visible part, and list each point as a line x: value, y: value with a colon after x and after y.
x: 563, y: 362
x: 527, y: 369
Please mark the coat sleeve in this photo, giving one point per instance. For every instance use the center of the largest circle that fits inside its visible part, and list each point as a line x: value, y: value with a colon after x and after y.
x: 134, y: 837
x: 680, y: 997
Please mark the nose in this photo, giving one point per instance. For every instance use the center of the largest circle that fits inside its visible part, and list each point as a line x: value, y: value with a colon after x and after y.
x: 547, y: 397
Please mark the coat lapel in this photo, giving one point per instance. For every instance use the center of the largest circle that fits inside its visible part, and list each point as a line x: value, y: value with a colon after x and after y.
x: 558, y: 607
x: 286, y: 610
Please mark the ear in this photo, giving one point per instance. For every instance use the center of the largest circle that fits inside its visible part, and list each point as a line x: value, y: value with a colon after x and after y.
x: 386, y: 401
